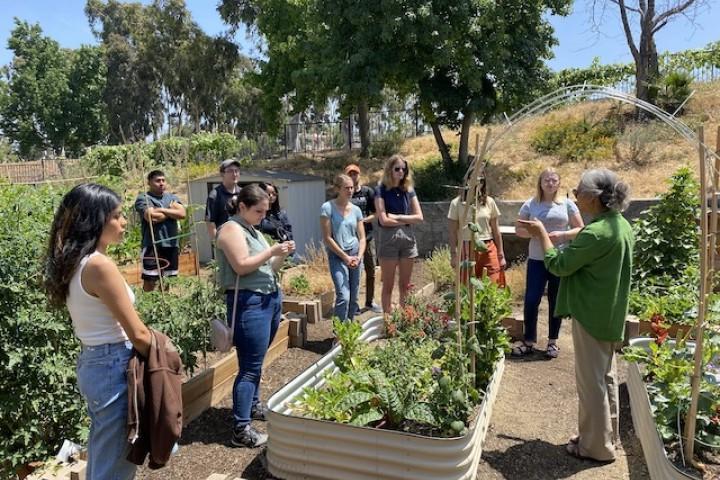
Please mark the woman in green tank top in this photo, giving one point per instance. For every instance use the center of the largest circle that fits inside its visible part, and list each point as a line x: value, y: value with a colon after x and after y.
x: 247, y: 266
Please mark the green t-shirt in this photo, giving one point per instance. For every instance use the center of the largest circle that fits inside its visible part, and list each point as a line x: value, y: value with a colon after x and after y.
x: 594, y: 273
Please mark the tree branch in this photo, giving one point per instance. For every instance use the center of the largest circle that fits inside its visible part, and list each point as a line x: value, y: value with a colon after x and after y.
x: 631, y: 9
x: 663, y: 17
x: 626, y: 28
x: 658, y: 27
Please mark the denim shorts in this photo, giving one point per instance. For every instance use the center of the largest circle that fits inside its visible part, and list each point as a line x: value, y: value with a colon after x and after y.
x: 102, y: 379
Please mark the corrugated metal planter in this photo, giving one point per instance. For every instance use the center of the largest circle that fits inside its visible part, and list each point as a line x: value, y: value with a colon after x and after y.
x: 659, y: 466
x: 303, y: 448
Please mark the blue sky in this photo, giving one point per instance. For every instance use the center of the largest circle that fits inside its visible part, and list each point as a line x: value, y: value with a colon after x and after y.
x: 65, y: 22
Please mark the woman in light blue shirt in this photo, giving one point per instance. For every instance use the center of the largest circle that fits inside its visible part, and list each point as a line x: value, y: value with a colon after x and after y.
x: 344, y: 236
x: 562, y: 221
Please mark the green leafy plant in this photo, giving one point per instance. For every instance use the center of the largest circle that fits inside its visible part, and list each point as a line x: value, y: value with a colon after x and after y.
x: 668, y: 366
x: 417, y: 380
x: 666, y: 238
x: 183, y: 313
x: 299, y: 285
x: 38, y: 349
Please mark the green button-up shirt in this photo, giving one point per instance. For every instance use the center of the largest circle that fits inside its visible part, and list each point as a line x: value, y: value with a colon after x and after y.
x: 594, y: 273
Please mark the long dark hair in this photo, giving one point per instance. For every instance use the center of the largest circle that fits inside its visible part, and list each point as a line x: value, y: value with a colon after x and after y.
x: 274, y: 206
x: 250, y: 195
x: 76, y: 229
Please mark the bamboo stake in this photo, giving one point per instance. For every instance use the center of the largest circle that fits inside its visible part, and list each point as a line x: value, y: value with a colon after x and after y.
x: 691, y: 417
x: 463, y: 210
x: 471, y: 255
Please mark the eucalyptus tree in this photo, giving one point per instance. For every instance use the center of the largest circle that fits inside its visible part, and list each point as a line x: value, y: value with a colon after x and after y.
x: 133, y: 90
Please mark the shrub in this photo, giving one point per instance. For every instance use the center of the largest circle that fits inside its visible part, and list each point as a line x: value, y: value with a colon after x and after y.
x: 672, y: 90
x: 40, y: 402
x: 431, y: 180
x: 116, y: 160
x: 576, y: 140
x: 216, y: 147
x: 439, y: 268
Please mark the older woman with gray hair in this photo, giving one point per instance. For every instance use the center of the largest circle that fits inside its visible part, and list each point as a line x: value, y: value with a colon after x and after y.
x: 594, y: 273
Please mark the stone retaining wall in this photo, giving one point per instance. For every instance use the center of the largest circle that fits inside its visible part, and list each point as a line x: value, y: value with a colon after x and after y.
x: 433, y: 232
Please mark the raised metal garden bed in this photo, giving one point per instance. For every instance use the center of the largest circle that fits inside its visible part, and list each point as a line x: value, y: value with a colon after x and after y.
x: 304, y: 448
x: 659, y: 465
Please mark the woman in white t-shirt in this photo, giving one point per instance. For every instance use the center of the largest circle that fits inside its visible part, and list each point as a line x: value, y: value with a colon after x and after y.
x: 562, y: 221
x: 80, y: 275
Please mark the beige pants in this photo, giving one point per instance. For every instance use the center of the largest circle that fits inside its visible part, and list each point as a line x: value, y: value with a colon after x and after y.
x: 595, y: 376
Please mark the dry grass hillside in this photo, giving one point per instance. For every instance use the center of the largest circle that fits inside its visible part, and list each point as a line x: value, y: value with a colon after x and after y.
x: 644, y: 154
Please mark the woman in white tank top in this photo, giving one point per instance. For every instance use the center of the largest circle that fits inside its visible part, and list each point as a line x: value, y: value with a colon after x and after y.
x: 80, y: 276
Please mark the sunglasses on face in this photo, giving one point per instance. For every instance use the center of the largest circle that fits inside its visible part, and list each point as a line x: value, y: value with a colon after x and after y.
x: 400, y: 169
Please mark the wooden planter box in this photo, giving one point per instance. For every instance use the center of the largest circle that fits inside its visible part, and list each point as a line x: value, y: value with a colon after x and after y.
x: 303, y: 448
x: 59, y: 471
x: 186, y: 266
x: 515, y: 328
x: 212, y: 385
x: 659, y: 466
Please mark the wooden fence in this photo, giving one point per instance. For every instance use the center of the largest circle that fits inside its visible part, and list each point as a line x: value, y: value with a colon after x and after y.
x: 40, y: 170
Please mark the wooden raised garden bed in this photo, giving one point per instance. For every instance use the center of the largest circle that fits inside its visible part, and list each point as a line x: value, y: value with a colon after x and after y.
x: 186, y: 266
x: 212, y: 385
x: 304, y: 448
x: 659, y: 466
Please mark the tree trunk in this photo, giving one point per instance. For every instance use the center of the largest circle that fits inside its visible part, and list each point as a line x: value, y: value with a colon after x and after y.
x: 442, y: 146
x: 468, y: 117
x: 647, y: 69
x: 364, y: 127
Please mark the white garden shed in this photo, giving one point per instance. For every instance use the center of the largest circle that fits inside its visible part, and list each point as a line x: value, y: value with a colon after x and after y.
x: 300, y: 195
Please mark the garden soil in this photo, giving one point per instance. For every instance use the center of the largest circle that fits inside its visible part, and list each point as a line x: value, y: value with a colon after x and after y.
x: 534, y: 415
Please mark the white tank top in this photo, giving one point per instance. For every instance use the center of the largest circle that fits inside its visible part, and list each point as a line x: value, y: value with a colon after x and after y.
x: 92, y: 320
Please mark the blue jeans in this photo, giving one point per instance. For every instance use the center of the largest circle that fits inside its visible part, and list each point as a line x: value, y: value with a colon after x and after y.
x: 347, y: 286
x: 102, y: 379
x: 537, y: 277
x: 256, y: 323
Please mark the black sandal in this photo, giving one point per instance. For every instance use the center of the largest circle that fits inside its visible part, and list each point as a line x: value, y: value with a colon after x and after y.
x: 522, y: 349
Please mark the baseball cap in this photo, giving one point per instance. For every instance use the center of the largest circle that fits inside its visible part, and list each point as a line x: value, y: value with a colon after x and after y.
x: 352, y: 168
x: 226, y: 163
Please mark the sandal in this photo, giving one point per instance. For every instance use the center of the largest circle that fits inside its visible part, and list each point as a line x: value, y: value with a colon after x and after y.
x: 522, y: 349
x: 552, y: 350
x: 573, y: 449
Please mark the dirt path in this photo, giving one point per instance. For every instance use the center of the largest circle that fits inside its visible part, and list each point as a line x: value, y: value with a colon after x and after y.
x: 536, y: 412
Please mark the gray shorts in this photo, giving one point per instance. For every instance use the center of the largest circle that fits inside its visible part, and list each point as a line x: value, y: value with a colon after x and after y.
x: 396, y: 242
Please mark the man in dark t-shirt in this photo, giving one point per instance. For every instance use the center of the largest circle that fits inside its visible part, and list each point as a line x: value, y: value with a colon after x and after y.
x: 160, y: 212
x: 364, y: 198
x: 215, y: 208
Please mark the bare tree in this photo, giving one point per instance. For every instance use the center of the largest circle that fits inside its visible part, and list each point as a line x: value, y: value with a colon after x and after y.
x: 647, y: 18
